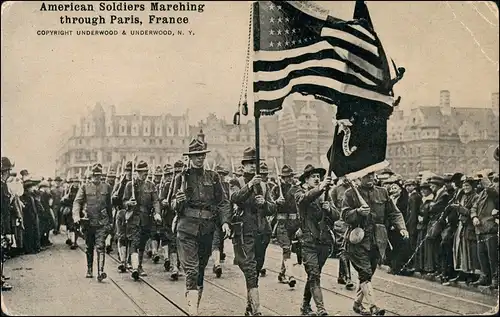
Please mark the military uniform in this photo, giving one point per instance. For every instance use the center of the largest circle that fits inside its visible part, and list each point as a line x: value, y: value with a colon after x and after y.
x: 57, y: 193
x: 287, y: 222
x: 146, y: 198
x: 97, y: 198
x: 110, y: 180
x: 156, y: 228
x: 218, y: 242
x: 365, y: 254
x: 251, y: 240
x: 199, y: 201
x: 67, y: 204
x: 119, y: 230
x: 316, y: 224
x: 340, y: 228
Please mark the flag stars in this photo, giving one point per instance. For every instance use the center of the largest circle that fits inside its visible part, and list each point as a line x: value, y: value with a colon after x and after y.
x: 271, y: 32
x: 294, y: 31
x: 287, y: 20
x: 300, y: 41
x: 271, y: 7
x: 287, y: 43
x: 279, y: 44
x: 271, y: 20
x: 279, y: 7
x: 271, y: 44
x: 280, y: 20
x: 287, y: 31
x: 293, y: 42
x: 279, y: 32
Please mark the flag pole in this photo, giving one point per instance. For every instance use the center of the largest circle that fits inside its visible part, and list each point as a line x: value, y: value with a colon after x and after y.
x: 256, y: 113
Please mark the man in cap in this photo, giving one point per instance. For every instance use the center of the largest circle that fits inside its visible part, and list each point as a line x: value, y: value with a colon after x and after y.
x: 267, y: 230
x: 57, y: 193
x: 287, y: 220
x: 366, y: 209
x: 50, y: 182
x: 117, y: 201
x: 317, y: 216
x: 96, y: 195
x: 198, y: 202
x: 218, y: 242
x: 67, y: 204
x: 6, y: 228
x: 156, y: 228
x: 109, y: 179
x: 141, y: 197
x: 337, y: 194
x: 254, y: 202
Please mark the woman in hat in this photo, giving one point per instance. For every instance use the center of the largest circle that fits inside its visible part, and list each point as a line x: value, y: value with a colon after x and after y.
x: 317, y: 218
x: 465, y: 256
x: 31, y: 211
x: 421, y: 232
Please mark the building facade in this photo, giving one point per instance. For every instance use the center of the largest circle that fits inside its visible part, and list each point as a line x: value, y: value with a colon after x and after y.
x: 109, y: 138
x: 443, y: 139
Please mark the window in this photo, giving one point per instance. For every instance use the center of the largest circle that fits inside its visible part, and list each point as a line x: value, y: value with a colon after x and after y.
x: 123, y: 129
x: 171, y: 142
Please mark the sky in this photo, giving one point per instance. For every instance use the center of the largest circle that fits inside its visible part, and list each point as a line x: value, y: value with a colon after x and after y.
x: 48, y: 82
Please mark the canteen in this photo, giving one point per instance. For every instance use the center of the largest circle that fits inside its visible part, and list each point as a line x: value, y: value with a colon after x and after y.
x: 356, y: 235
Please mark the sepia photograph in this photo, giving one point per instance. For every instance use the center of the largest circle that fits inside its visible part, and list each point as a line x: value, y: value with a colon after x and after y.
x: 249, y: 158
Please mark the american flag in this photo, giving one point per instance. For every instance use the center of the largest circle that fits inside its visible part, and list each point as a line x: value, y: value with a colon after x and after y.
x: 300, y: 48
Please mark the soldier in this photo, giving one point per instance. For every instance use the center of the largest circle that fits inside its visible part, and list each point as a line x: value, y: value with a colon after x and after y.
x: 117, y: 201
x: 143, y: 198
x: 367, y: 208
x: 110, y: 180
x: 168, y: 240
x: 50, y: 182
x: 156, y: 228
x: 254, y: 202
x: 218, y: 243
x: 317, y: 216
x: 199, y: 201
x: 6, y: 215
x: 96, y: 195
x: 57, y: 193
x: 266, y: 229
x: 287, y: 220
x: 67, y: 203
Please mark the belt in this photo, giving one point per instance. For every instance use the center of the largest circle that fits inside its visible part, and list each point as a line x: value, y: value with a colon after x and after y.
x: 198, y: 213
x: 287, y: 216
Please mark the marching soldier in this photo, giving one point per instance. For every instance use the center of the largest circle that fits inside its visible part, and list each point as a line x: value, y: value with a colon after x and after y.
x: 218, y: 243
x: 142, y: 198
x: 317, y: 217
x: 156, y: 228
x: 96, y: 195
x: 168, y: 240
x: 287, y: 222
x: 117, y: 201
x: 266, y: 229
x: 57, y: 193
x: 67, y: 203
x: 254, y: 202
x: 340, y: 228
x: 110, y: 180
x: 366, y: 209
x: 199, y: 201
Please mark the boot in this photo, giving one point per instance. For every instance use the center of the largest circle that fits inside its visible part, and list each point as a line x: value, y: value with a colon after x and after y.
x: 192, y: 300
x: 140, y: 269
x: 166, y: 258
x: 134, y: 258
x: 317, y: 295
x: 263, y: 272
x: 291, y: 280
x: 253, y: 298
x: 100, y: 267
x: 90, y: 263
x: 74, y: 239
x: 305, y: 308
x: 200, y: 295
x: 154, y: 247
x: 217, y: 269
x: 483, y: 281
x: 222, y: 257
x: 345, y: 266
x: 367, y: 289
x: 122, y: 251
x: 109, y: 248
x: 174, y: 273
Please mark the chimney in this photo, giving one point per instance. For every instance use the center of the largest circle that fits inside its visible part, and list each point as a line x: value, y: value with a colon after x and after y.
x: 494, y: 103
x: 444, y: 102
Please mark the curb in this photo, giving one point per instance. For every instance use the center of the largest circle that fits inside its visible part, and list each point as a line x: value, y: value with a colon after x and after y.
x: 477, y: 289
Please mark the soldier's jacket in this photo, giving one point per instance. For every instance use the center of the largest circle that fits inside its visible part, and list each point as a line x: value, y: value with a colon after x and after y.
x: 289, y: 190
x: 254, y: 216
x: 337, y: 195
x: 315, y: 221
x: 117, y: 194
x: 205, y: 201
x: 146, y: 197
x: 163, y: 192
x: 6, y: 209
x: 67, y: 200
x: 97, y: 200
x: 57, y: 193
x: 382, y: 212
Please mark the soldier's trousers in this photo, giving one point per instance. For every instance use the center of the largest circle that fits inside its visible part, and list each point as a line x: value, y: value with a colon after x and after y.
x: 314, y: 257
x: 250, y: 252
x: 285, y: 232
x: 218, y: 241
x: 364, y: 261
x: 95, y: 237
x: 194, y: 252
x: 145, y: 234
x: 167, y: 237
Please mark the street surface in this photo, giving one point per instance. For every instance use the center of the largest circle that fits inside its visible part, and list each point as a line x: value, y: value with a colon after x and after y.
x: 53, y: 283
